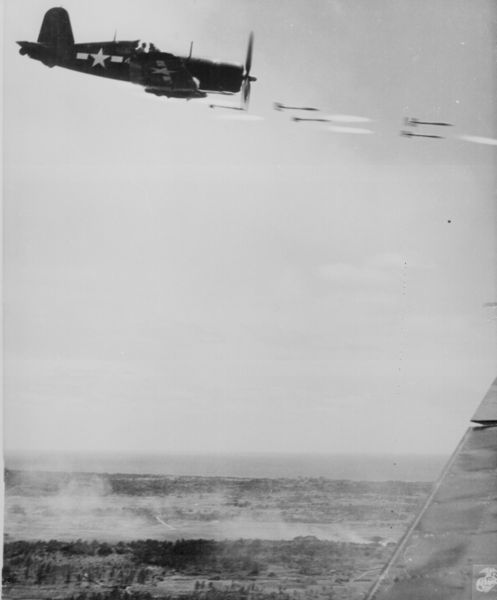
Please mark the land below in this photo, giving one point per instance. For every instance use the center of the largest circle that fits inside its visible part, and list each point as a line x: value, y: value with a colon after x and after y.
x: 109, y: 536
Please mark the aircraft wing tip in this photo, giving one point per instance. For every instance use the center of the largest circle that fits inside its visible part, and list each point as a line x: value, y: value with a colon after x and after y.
x: 486, y: 413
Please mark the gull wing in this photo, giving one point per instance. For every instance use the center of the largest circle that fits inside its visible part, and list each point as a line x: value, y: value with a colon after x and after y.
x: 450, y: 551
x: 166, y: 75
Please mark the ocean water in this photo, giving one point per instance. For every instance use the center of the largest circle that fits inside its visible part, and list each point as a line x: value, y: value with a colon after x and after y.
x: 372, y: 467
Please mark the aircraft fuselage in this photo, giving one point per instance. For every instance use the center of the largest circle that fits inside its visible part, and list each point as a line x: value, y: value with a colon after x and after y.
x: 123, y: 61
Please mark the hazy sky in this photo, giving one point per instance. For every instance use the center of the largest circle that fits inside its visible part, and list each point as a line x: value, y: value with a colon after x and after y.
x: 177, y: 279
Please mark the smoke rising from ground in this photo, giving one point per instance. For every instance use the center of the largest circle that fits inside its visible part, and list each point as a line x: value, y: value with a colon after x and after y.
x: 124, y: 507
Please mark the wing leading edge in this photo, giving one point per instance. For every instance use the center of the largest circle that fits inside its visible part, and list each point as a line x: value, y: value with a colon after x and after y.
x: 450, y: 551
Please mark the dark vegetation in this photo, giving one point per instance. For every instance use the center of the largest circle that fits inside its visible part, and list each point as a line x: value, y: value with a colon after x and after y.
x: 101, y: 571
x: 52, y: 561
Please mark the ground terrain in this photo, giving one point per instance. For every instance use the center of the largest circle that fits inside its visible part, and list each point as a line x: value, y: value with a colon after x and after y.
x: 97, y: 537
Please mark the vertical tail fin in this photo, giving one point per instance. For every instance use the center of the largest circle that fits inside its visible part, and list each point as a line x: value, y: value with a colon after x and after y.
x: 56, y: 31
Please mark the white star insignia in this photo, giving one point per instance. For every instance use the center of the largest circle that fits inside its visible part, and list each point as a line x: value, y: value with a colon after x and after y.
x: 99, y: 58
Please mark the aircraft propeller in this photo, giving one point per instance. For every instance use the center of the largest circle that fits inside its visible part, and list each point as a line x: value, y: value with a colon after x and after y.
x: 247, y: 79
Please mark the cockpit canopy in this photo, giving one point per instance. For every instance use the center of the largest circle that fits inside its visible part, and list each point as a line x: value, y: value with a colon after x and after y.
x: 145, y: 47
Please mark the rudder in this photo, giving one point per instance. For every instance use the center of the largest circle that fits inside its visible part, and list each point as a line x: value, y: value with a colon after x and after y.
x: 56, y: 31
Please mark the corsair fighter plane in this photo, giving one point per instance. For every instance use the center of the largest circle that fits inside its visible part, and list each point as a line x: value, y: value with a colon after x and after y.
x: 160, y: 73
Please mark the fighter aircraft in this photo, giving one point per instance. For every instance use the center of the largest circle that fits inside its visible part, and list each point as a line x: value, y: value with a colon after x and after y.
x: 413, y: 122
x: 160, y: 73
x: 423, y: 135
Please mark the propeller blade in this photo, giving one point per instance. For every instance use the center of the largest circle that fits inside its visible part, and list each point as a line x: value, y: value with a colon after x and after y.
x: 246, y: 93
x: 246, y: 78
x: 248, y: 60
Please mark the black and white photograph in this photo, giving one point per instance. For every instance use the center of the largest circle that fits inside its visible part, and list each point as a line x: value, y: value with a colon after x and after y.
x: 249, y: 300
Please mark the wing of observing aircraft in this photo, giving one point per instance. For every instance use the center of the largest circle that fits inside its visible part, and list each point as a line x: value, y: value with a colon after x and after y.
x: 450, y: 551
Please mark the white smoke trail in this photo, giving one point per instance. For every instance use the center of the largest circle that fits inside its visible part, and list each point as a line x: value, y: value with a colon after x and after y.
x: 355, y: 130
x: 476, y: 139
x: 240, y: 117
x: 348, y: 119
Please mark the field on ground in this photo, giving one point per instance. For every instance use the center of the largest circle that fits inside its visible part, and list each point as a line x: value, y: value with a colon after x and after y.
x: 117, y: 536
